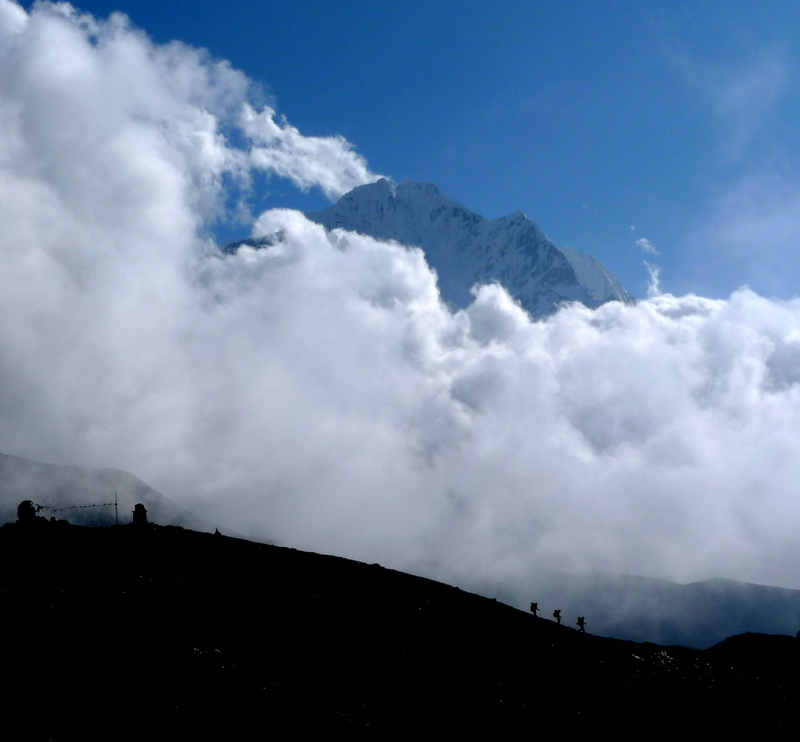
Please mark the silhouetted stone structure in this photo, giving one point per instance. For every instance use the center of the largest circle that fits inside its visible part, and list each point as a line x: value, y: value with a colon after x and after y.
x: 26, y: 513
x: 139, y: 515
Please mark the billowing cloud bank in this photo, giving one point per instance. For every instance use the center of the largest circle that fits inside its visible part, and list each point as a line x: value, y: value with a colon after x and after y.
x: 318, y: 392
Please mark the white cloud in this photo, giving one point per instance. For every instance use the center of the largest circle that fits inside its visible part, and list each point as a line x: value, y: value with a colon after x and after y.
x: 653, y: 288
x: 328, y: 162
x: 318, y: 392
x: 12, y: 21
x: 104, y: 92
x: 646, y: 246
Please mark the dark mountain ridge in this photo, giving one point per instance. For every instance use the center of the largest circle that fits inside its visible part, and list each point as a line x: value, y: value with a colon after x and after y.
x: 135, y: 630
x: 622, y: 606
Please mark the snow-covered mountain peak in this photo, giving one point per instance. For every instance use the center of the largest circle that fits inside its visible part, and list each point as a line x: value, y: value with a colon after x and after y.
x: 466, y: 249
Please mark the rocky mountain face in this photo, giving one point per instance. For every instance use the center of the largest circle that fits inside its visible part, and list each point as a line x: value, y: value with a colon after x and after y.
x: 465, y: 249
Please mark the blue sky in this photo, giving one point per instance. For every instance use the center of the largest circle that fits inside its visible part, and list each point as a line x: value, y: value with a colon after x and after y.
x: 592, y: 117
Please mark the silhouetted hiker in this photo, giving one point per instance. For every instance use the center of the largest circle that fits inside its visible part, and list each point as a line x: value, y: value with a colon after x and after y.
x: 557, y: 615
x: 139, y: 515
x: 582, y: 624
x: 534, y: 608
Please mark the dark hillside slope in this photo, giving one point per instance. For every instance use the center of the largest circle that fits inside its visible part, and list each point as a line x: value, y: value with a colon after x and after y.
x: 119, y: 632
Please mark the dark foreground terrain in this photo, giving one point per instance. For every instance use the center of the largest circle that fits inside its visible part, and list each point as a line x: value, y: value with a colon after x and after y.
x: 122, y: 632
